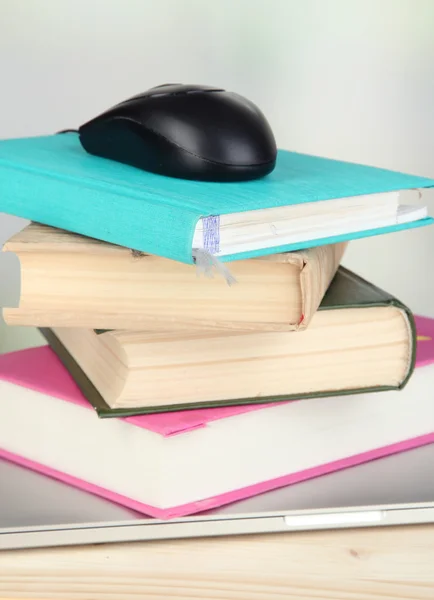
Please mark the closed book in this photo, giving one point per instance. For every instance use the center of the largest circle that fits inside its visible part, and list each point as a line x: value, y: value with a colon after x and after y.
x: 174, y: 464
x: 361, y: 339
x: 306, y: 201
x: 69, y: 280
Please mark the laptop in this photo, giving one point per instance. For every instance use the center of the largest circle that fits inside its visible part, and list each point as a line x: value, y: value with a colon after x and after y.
x: 37, y: 511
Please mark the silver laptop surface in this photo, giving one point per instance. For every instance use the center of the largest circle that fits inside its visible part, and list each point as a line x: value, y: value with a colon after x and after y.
x: 38, y: 511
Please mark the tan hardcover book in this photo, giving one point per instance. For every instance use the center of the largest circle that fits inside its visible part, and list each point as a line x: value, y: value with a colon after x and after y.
x: 68, y: 280
x: 361, y: 339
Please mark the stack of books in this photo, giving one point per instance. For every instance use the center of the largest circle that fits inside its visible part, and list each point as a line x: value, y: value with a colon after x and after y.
x: 172, y: 387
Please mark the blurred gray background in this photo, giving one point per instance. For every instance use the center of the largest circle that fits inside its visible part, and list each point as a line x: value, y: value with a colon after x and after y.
x: 347, y: 79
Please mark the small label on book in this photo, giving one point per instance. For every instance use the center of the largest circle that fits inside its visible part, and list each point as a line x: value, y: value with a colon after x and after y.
x: 211, y: 234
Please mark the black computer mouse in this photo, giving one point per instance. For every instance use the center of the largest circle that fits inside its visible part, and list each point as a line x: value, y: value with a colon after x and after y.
x: 186, y: 131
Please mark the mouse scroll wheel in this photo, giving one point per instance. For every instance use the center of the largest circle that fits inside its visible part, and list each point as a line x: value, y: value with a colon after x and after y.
x: 159, y: 91
x: 204, y: 91
x: 189, y: 92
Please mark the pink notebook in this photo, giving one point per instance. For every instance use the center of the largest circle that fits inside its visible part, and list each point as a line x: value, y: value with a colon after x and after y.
x: 425, y: 341
x: 39, y: 369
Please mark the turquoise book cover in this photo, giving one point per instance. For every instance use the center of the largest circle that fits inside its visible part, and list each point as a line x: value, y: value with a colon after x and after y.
x: 52, y: 180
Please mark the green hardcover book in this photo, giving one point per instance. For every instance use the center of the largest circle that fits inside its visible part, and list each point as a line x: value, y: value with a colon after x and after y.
x: 361, y: 339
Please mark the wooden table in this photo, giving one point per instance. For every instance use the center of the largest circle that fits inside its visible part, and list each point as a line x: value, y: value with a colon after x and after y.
x: 364, y: 564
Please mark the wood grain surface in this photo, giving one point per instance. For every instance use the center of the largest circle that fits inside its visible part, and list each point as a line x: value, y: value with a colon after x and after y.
x: 365, y: 564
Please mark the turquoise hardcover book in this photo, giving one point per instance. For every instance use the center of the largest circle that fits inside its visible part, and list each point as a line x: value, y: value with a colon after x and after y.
x: 306, y: 201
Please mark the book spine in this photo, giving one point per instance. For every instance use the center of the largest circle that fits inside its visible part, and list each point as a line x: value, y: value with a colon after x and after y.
x: 320, y: 266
